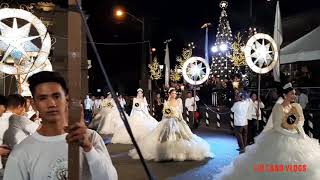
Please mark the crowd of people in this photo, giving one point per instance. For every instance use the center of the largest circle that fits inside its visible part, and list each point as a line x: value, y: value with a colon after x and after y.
x: 34, y: 131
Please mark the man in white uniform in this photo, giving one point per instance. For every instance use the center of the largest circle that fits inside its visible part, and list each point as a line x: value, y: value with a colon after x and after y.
x: 44, y: 155
x: 240, y: 110
x: 191, y: 105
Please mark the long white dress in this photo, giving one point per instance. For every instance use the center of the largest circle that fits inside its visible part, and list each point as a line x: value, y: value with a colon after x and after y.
x: 278, y: 154
x: 140, y: 121
x: 110, y: 118
x: 172, y: 140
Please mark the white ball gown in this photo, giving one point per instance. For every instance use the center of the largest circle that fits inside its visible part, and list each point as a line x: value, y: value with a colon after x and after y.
x: 110, y: 118
x: 278, y: 154
x: 140, y: 121
x: 172, y: 140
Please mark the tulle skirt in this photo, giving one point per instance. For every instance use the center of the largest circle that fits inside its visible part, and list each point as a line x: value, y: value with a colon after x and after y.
x: 278, y: 157
x: 140, y: 125
x: 110, y: 122
x: 172, y: 140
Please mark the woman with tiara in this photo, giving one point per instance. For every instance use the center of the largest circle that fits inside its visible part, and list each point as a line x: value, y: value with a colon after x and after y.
x: 141, y: 122
x: 172, y: 139
x: 109, y: 115
x: 282, y: 152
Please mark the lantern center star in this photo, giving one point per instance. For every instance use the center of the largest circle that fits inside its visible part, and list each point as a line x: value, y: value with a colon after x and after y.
x: 261, y: 54
x: 16, y: 41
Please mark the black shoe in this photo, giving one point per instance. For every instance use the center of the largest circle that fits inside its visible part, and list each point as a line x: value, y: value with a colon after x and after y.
x: 242, y: 151
x: 238, y: 149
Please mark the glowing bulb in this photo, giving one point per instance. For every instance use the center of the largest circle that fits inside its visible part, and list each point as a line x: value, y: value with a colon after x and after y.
x: 214, y: 49
x: 119, y: 13
x: 223, y: 47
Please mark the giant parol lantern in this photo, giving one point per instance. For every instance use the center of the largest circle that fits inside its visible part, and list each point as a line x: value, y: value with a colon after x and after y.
x: 22, y: 57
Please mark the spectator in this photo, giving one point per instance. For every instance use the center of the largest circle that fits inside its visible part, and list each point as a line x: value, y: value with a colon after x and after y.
x: 254, y: 115
x: 302, y: 98
x: 88, y: 106
x: 191, y: 105
x: 240, y: 110
x: 20, y: 126
x: 44, y: 154
x: 158, y: 107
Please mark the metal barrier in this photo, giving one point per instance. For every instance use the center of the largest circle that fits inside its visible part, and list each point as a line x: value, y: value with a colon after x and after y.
x: 312, y: 120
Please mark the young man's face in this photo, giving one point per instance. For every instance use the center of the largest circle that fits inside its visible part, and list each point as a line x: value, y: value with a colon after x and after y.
x: 51, y: 101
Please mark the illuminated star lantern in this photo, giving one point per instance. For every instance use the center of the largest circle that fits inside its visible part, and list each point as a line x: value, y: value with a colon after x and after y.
x: 261, y: 53
x: 16, y: 41
x: 223, y: 4
x: 195, y: 70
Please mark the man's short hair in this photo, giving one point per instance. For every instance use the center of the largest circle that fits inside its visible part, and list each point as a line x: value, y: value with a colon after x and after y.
x: 46, y: 77
x: 3, y: 100
x: 16, y: 100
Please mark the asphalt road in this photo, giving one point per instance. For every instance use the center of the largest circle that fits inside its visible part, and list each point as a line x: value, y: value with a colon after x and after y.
x: 223, y: 145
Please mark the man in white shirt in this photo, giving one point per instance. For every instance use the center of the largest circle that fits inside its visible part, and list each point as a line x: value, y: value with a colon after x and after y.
x: 191, y: 105
x: 4, y: 124
x: 253, y: 116
x: 20, y: 126
x: 122, y: 101
x: 240, y: 110
x: 44, y: 155
x: 301, y: 98
x: 88, y: 106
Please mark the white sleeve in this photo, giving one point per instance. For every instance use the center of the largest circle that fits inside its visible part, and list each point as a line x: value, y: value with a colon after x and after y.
x: 99, y: 160
x: 181, y: 105
x: 233, y: 108
x: 15, y: 169
x: 31, y: 127
x: 261, y: 105
x: 197, y: 98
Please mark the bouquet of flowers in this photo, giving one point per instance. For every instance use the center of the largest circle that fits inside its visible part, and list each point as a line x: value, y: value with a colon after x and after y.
x: 291, y: 119
x: 109, y: 105
x: 167, y: 112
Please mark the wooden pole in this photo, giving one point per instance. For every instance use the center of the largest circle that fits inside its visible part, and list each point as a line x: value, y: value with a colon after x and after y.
x: 74, y: 84
x: 259, y: 80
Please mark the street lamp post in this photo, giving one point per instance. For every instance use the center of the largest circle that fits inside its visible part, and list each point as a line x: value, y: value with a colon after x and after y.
x: 143, y: 82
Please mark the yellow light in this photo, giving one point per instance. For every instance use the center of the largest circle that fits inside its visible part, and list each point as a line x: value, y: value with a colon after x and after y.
x: 119, y: 13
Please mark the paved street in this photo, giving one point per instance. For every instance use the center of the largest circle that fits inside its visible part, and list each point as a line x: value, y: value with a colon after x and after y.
x: 222, y: 145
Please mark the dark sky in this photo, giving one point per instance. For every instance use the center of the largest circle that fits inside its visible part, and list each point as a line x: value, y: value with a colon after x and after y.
x: 164, y: 19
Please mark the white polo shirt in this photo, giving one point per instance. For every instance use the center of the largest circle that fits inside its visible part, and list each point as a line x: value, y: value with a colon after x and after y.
x: 240, y: 110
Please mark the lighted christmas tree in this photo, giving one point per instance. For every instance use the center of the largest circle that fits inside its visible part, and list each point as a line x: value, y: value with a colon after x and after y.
x: 222, y: 64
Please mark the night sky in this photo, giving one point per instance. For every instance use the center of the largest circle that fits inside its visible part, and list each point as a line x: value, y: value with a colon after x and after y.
x: 176, y: 20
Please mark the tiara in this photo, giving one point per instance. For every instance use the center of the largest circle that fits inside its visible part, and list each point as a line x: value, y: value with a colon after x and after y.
x: 170, y: 89
x: 139, y: 90
x: 289, y: 85
x: 108, y: 93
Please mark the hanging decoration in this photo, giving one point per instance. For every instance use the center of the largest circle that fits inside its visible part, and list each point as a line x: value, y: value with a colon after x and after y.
x: 237, y: 56
x: 175, y: 74
x: 155, y: 70
x: 195, y: 70
x: 186, y: 54
x: 261, y: 53
x: 23, y: 54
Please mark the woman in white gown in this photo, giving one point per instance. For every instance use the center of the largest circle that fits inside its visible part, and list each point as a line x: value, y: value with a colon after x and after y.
x: 110, y: 116
x: 172, y: 139
x: 140, y: 121
x: 280, y: 153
